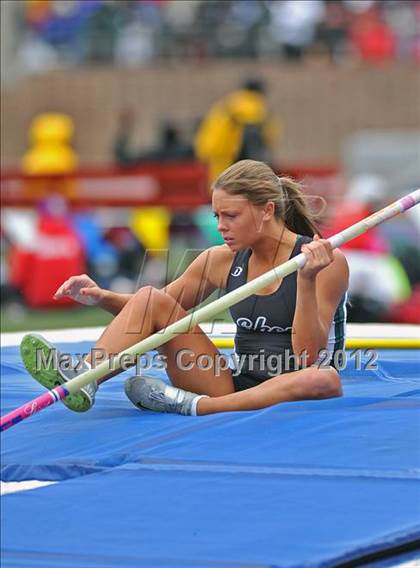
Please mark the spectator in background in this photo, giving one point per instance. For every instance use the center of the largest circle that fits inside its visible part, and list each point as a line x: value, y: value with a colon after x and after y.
x: 294, y: 24
x: 169, y: 148
x: 237, y: 127
x: 333, y: 30
x: 403, y: 17
x: 58, y: 33
x: 372, y: 38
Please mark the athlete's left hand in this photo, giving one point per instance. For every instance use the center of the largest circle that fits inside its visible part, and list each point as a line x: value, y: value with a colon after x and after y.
x: 319, y: 254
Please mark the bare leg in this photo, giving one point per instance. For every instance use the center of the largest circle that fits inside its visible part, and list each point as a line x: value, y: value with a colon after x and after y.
x: 311, y: 383
x: 151, y: 310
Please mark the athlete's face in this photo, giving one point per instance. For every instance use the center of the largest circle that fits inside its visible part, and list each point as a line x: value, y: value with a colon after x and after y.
x: 239, y: 221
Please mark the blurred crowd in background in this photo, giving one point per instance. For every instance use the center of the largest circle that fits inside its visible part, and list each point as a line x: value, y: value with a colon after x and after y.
x: 122, y: 249
x: 57, y: 33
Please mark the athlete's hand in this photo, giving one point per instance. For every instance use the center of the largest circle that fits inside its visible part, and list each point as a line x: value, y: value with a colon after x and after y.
x: 82, y: 289
x: 319, y: 254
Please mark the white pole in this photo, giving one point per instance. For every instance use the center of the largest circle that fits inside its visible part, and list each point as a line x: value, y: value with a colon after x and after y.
x: 208, y: 312
x: 205, y: 313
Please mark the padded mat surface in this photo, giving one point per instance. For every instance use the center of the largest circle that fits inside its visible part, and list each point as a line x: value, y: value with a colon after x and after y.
x: 310, y: 483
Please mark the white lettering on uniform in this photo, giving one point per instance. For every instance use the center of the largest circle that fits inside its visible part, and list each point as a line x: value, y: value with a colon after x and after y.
x: 260, y: 325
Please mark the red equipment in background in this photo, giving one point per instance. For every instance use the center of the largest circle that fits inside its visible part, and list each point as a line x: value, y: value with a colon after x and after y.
x: 55, y: 255
x: 178, y: 185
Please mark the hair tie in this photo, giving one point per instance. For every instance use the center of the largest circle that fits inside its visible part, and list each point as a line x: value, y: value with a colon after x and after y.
x: 283, y: 191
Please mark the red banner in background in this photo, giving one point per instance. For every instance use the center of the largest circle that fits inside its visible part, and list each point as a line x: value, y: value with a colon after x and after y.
x: 180, y: 185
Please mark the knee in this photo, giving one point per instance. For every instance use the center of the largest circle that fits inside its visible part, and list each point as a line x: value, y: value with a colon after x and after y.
x: 327, y: 383
x: 161, y: 307
x: 144, y: 292
x: 151, y: 295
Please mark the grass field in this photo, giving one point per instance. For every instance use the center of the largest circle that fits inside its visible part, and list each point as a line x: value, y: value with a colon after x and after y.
x: 21, y: 319
x: 17, y: 318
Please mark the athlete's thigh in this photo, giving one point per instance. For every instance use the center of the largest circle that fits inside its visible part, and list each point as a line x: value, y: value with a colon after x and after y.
x: 195, y: 364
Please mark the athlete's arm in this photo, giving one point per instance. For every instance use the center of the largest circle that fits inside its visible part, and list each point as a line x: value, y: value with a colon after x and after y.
x: 203, y: 276
x: 113, y: 302
x: 84, y: 290
x: 319, y: 291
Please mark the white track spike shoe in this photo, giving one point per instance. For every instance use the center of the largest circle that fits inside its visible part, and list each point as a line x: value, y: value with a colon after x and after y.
x: 151, y: 393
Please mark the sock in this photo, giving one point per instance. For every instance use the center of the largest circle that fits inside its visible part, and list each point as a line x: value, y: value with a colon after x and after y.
x: 89, y: 367
x: 194, y: 403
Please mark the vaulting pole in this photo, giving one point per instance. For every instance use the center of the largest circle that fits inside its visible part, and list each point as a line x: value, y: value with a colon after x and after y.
x: 203, y: 314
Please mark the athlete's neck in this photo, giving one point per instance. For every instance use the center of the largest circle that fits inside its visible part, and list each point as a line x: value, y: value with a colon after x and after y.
x: 274, y: 247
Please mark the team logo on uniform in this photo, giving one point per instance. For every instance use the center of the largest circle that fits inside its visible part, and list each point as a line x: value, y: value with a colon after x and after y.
x: 237, y: 271
x: 261, y: 325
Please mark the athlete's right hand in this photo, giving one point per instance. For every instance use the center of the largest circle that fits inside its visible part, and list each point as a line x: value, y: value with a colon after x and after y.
x: 82, y: 289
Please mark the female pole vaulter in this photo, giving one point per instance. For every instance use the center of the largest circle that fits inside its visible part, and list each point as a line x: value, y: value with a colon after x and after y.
x: 280, y: 332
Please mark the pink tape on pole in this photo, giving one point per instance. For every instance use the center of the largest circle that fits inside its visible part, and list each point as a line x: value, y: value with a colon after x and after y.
x: 58, y: 393
x: 32, y: 407
x: 407, y: 202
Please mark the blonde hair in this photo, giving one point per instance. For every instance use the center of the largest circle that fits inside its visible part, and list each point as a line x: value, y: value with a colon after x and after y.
x: 257, y: 182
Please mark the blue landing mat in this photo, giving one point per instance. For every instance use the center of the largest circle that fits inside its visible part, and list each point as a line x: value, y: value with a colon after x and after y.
x: 374, y: 429
x: 308, y: 483
x: 153, y: 515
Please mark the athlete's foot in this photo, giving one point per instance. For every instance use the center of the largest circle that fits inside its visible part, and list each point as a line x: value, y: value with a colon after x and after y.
x: 154, y: 394
x: 41, y: 360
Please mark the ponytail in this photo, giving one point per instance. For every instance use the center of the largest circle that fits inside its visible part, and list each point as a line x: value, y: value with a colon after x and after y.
x: 297, y: 216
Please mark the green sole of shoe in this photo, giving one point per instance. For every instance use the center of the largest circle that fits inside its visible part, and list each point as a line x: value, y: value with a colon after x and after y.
x: 39, y: 361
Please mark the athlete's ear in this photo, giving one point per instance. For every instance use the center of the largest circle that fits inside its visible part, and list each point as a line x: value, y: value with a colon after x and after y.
x: 269, y: 209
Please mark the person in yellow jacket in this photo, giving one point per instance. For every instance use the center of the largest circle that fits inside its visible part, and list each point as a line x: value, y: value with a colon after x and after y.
x: 236, y: 127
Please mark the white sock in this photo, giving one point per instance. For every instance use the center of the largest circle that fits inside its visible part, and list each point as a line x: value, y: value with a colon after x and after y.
x: 89, y: 366
x: 194, y: 403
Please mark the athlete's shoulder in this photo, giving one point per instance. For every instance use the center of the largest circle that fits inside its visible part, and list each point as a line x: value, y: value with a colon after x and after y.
x: 222, y: 251
x: 222, y: 256
x: 217, y: 253
x: 219, y: 259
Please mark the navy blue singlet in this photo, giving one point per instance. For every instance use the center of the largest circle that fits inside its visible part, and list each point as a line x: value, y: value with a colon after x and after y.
x: 263, y: 340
